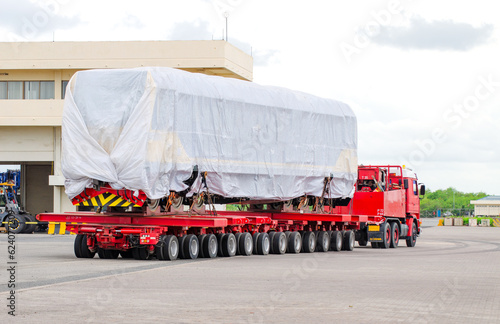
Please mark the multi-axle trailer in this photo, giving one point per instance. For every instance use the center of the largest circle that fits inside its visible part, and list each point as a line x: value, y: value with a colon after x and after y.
x: 383, y: 210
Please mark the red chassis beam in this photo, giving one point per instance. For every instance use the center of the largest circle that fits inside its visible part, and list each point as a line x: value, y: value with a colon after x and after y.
x: 308, y: 216
x: 91, y: 218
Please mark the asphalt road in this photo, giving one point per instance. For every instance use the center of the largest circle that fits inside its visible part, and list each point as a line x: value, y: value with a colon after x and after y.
x: 451, y: 276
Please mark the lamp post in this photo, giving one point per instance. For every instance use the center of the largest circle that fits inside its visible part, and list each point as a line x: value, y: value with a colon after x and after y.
x: 226, y: 14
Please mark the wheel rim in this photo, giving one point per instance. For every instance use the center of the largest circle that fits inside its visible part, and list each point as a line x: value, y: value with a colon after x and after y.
x: 311, y: 243
x: 14, y: 224
x: 297, y: 243
x: 265, y: 244
x: 174, y: 247
x: 231, y: 244
x: 388, y: 234
x: 339, y: 240
x: 325, y: 242
x: 212, y: 245
x: 248, y: 243
x: 194, y: 247
x: 282, y: 243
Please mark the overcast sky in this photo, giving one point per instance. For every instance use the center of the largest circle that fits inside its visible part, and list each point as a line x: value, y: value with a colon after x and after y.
x: 423, y: 77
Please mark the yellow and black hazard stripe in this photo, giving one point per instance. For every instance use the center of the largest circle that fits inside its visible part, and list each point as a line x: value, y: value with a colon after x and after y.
x: 107, y: 199
x: 496, y: 222
x: 58, y: 228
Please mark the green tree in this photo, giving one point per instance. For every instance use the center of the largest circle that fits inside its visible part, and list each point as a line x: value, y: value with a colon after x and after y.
x: 443, y: 200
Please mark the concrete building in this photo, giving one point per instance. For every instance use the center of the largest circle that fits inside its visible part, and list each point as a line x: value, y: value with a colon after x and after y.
x: 487, y: 206
x: 33, y: 77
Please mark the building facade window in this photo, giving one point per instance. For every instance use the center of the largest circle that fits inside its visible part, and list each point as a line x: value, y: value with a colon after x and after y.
x: 27, y: 90
x: 63, y: 89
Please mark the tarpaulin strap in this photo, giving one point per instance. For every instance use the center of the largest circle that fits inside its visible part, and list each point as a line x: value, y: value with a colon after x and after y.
x: 209, y: 197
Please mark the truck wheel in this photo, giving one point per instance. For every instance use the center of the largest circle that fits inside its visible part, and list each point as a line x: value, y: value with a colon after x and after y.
x: 271, y: 245
x: 170, y: 248
x: 29, y: 228
x: 394, y: 235
x: 255, y: 238
x: 84, y: 250
x: 238, y: 237
x: 294, y: 243
x: 375, y: 245
x: 180, y: 240
x: 349, y: 239
x: 412, y: 240
x: 191, y: 247
x: 279, y: 243
x: 210, y: 246
x: 323, y: 242
x: 309, y: 242
x: 17, y: 223
x: 386, y: 236
x: 220, y: 236
x: 78, y: 245
x: 201, y: 238
x: 336, y: 241
x: 363, y: 237
x: 138, y: 253
x: 126, y: 254
x: 263, y: 244
x: 229, y: 245
x: 246, y: 244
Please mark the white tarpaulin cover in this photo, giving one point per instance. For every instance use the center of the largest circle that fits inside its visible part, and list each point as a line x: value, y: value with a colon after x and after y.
x: 147, y: 128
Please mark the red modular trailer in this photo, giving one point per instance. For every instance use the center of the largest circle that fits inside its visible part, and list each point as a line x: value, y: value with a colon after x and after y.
x: 384, y: 208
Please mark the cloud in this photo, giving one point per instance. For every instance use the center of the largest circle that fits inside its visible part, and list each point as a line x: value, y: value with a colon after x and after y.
x: 434, y: 35
x: 29, y: 20
x: 198, y: 30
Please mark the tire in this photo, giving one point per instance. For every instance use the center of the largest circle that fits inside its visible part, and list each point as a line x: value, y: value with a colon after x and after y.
x: 78, y: 245
x: 159, y: 248
x: 316, y: 234
x: 29, y: 228
x: 138, y: 253
x: 309, y: 242
x: 200, y: 240
x: 191, y: 247
x: 386, y: 236
x: 336, y: 241
x: 210, y: 246
x: 294, y: 243
x: 220, y: 236
x: 263, y: 244
x: 180, y: 240
x: 170, y: 248
x: 412, y: 240
x: 363, y: 237
x: 348, y: 242
x: 279, y: 243
x: 375, y: 245
x: 271, y: 246
x: 84, y: 250
x: 255, y: 238
x: 323, y: 244
x: 394, y: 235
x: 238, y: 237
x: 107, y: 254
x: 287, y: 233
x: 229, y: 245
x: 126, y: 254
x: 246, y: 246
x: 17, y: 223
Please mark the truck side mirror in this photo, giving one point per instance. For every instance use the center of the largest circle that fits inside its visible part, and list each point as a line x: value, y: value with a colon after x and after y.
x: 405, y: 181
x: 422, y: 190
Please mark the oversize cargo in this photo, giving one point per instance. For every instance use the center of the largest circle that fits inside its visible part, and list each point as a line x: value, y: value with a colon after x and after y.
x: 148, y: 129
